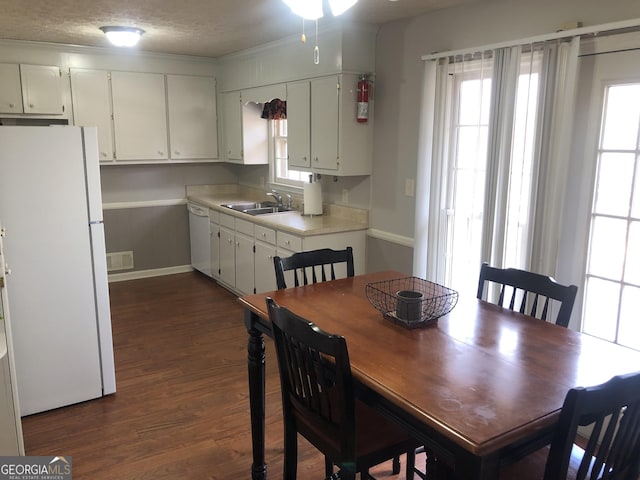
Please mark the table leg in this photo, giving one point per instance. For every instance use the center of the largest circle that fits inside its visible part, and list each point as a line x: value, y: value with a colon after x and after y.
x: 472, y: 467
x: 256, y: 357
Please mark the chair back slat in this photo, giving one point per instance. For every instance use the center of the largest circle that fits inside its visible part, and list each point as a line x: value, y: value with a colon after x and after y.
x: 314, y: 264
x: 612, y: 451
x: 528, y: 288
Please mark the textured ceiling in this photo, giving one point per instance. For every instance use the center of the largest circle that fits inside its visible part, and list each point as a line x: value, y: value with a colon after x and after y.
x: 208, y: 28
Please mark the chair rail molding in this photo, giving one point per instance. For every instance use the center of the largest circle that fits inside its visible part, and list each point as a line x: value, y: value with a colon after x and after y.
x: 391, y: 237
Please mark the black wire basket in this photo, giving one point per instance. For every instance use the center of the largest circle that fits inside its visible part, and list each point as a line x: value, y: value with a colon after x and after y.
x: 411, y: 301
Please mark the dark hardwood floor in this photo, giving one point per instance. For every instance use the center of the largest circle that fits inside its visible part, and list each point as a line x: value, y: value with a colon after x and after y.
x: 181, y: 407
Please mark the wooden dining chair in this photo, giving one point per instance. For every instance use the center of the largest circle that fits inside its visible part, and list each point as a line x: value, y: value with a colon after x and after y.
x: 319, y: 402
x: 531, y: 293
x: 312, y: 266
x: 611, y: 414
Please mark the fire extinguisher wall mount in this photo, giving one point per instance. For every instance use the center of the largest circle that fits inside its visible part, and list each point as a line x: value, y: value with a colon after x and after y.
x: 363, y: 99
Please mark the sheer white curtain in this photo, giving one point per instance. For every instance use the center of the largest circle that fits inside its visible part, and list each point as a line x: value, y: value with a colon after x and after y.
x: 525, y: 153
x: 503, y: 99
x: 553, y: 150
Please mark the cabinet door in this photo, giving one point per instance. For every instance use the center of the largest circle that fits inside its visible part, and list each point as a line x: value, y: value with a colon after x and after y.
x: 289, y: 274
x: 299, y: 124
x: 41, y: 89
x: 232, y: 131
x: 139, y: 116
x: 215, y: 249
x: 244, y: 264
x: 324, y: 123
x: 264, y: 272
x: 92, y: 107
x: 227, y: 256
x: 193, y: 131
x: 10, y: 92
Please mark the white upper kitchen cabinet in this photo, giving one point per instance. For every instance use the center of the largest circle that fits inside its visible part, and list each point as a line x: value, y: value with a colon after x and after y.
x: 245, y: 132
x: 325, y: 97
x: 299, y: 124
x: 91, y: 102
x: 10, y: 93
x: 193, y: 131
x: 34, y: 89
x: 232, y: 115
x: 322, y: 127
x: 139, y: 116
x: 41, y: 89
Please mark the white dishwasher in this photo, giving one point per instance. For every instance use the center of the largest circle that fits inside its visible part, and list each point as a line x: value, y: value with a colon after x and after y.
x: 200, y: 238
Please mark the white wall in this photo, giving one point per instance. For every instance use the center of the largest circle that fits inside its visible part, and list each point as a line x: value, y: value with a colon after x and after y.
x: 399, y: 69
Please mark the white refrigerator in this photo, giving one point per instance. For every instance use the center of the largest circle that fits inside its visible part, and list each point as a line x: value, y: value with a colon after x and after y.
x: 51, y: 209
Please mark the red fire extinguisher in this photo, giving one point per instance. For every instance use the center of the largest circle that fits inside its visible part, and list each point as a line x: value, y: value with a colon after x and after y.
x: 363, y: 99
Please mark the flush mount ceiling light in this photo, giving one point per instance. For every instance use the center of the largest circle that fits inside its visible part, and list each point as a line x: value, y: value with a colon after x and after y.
x: 123, y: 36
x: 312, y: 9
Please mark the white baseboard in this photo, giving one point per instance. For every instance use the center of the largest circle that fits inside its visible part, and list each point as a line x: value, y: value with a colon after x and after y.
x: 156, y: 272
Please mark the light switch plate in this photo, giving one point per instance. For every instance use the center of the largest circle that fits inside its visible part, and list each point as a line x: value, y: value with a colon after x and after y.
x: 409, y: 187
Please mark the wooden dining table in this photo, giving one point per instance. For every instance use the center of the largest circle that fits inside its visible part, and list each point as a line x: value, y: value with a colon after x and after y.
x: 480, y: 387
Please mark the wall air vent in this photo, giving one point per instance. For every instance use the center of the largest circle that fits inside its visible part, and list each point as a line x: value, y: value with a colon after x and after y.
x: 119, y: 261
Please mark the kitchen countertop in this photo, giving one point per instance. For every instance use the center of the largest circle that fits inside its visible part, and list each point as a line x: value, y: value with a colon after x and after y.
x: 336, y: 218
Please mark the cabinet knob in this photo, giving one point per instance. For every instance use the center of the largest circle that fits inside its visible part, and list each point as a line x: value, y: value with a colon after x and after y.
x: 31, y: 105
x: 238, y: 244
x: 315, y: 159
x: 12, y: 105
x: 160, y: 152
x: 176, y: 153
x: 104, y: 154
x: 287, y: 242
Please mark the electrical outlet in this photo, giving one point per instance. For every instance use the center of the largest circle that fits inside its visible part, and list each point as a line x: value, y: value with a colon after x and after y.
x: 409, y: 187
x: 345, y: 195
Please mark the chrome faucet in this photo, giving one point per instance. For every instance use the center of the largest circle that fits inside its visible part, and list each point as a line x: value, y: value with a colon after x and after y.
x: 288, y: 200
x: 276, y: 195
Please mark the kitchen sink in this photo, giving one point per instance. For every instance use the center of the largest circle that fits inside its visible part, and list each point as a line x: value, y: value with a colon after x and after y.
x: 258, y: 208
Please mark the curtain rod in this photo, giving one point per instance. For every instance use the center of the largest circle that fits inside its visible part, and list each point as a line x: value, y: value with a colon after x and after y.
x: 595, y: 29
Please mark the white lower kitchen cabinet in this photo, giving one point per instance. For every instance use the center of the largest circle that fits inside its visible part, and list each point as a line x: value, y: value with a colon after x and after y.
x: 244, y: 250
x: 214, y: 242
x: 227, y: 254
x: 244, y: 256
x: 288, y: 243
x: 265, y: 250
